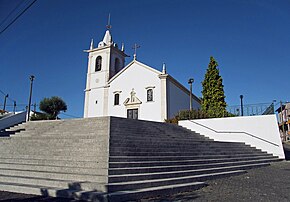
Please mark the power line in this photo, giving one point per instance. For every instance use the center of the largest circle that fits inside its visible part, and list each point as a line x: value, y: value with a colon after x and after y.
x: 11, y: 13
x: 12, y: 100
x: 18, y: 16
x: 2, y: 92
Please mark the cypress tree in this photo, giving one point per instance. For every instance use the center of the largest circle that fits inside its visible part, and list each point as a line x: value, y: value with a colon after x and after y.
x: 213, y: 100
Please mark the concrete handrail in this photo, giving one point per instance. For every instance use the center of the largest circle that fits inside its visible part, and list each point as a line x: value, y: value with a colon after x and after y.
x: 234, y: 132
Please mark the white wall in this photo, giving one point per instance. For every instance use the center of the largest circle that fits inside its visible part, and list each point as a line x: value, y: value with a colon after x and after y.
x: 12, y: 119
x: 137, y: 77
x: 264, y: 127
x: 178, y: 100
x: 96, y: 103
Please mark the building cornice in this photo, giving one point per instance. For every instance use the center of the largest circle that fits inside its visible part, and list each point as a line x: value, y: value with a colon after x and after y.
x: 179, y: 85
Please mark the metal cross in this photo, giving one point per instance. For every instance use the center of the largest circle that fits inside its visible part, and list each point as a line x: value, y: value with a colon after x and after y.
x: 135, y: 50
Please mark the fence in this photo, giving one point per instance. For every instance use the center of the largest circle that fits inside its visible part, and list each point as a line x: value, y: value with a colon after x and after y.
x: 252, y: 109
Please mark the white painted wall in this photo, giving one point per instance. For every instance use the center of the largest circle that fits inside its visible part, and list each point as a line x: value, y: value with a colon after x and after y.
x: 12, y: 120
x: 137, y: 77
x: 178, y: 100
x: 264, y: 127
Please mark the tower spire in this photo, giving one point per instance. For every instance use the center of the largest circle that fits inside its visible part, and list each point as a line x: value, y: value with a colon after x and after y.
x: 109, y: 26
x: 164, y: 68
x: 92, y: 44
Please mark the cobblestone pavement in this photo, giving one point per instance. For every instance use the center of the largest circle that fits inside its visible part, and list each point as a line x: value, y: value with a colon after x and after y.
x: 271, y: 183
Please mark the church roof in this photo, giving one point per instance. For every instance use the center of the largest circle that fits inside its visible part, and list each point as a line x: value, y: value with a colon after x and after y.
x: 130, y: 64
x: 172, y: 79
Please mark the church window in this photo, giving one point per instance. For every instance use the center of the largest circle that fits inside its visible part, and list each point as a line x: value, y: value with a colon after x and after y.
x: 117, y: 99
x: 98, y: 63
x: 117, y: 65
x: 149, y: 95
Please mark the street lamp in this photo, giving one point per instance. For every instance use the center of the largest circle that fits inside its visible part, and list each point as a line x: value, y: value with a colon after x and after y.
x: 190, y: 81
x: 31, y: 78
x: 5, y: 99
x: 242, y: 107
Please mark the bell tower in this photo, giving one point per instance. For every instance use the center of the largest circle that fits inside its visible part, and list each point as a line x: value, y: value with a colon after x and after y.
x: 104, y: 62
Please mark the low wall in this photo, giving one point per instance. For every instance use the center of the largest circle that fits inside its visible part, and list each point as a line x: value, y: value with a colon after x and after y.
x: 12, y: 120
x: 258, y: 131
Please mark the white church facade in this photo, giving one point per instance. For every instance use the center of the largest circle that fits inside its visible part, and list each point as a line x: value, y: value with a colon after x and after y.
x: 134, y: 91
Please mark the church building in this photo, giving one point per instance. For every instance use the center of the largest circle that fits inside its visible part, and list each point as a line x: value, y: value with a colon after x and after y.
x: 135, y: 91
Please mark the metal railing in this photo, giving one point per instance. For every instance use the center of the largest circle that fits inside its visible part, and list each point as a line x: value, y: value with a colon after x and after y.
x: 252, y: 109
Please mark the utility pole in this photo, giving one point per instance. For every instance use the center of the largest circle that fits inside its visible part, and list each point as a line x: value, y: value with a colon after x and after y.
x: 31, y: 78
x: 190, y: 81
x: 242, y: 107
x: 282, y: 120
x: 5, y: 99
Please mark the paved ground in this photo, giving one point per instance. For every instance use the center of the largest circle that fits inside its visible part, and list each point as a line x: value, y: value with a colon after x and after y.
x: 271, y: 183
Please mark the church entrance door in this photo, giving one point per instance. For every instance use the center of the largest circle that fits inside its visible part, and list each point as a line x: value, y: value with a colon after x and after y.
x: 132, y: 113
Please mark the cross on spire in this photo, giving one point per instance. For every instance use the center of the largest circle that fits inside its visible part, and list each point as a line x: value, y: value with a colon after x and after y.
x: 135, y: 50
x: 109, y: 26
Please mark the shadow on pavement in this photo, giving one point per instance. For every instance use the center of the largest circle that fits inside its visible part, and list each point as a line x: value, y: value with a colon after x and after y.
x: 38, y: 198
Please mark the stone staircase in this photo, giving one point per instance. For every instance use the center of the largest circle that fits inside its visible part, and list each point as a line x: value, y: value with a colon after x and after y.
x: 116, y: 159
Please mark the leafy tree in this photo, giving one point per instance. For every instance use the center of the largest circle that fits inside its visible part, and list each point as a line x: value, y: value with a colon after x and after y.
x: 52, y: 106
x: 213, y: 100
x: 41, y: 116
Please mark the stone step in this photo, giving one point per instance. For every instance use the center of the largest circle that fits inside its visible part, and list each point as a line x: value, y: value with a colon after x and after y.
x: 58, y: 169
x: 135, y: 185
x: 29, y: 189
x: 135, y: 194
x: 40, y: 182
x: 118, y: 158
x: 15, y: 149
x: 63, y: 132
x: 178, y: 144
x: 197, y: 149
x: 154, y: 168
x: 46, y: 162
x: 185, y: 162
x: 91, y: 158
x: 185, y: 153
x: 162, y: 175
x: 56, y: 144
x: 54, y: 175
x: 53, y: 152
x: 60, y: 184
x: 144, y: 137
x: 99, y: 196
x: 61, y: 136
x: 44, y: 140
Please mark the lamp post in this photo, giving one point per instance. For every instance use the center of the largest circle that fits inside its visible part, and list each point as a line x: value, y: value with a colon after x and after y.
x: 31, y: 78
x: 5, y: 99
x: 242, y: 107
x: 190, y: 81
x: 14, y: 107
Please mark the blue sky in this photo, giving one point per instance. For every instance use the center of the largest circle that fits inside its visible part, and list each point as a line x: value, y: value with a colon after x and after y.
x: 250, y: 40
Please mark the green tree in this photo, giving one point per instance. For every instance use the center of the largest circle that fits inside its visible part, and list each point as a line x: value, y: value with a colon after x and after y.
x: 52, y: 106
x: 213, y: 100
